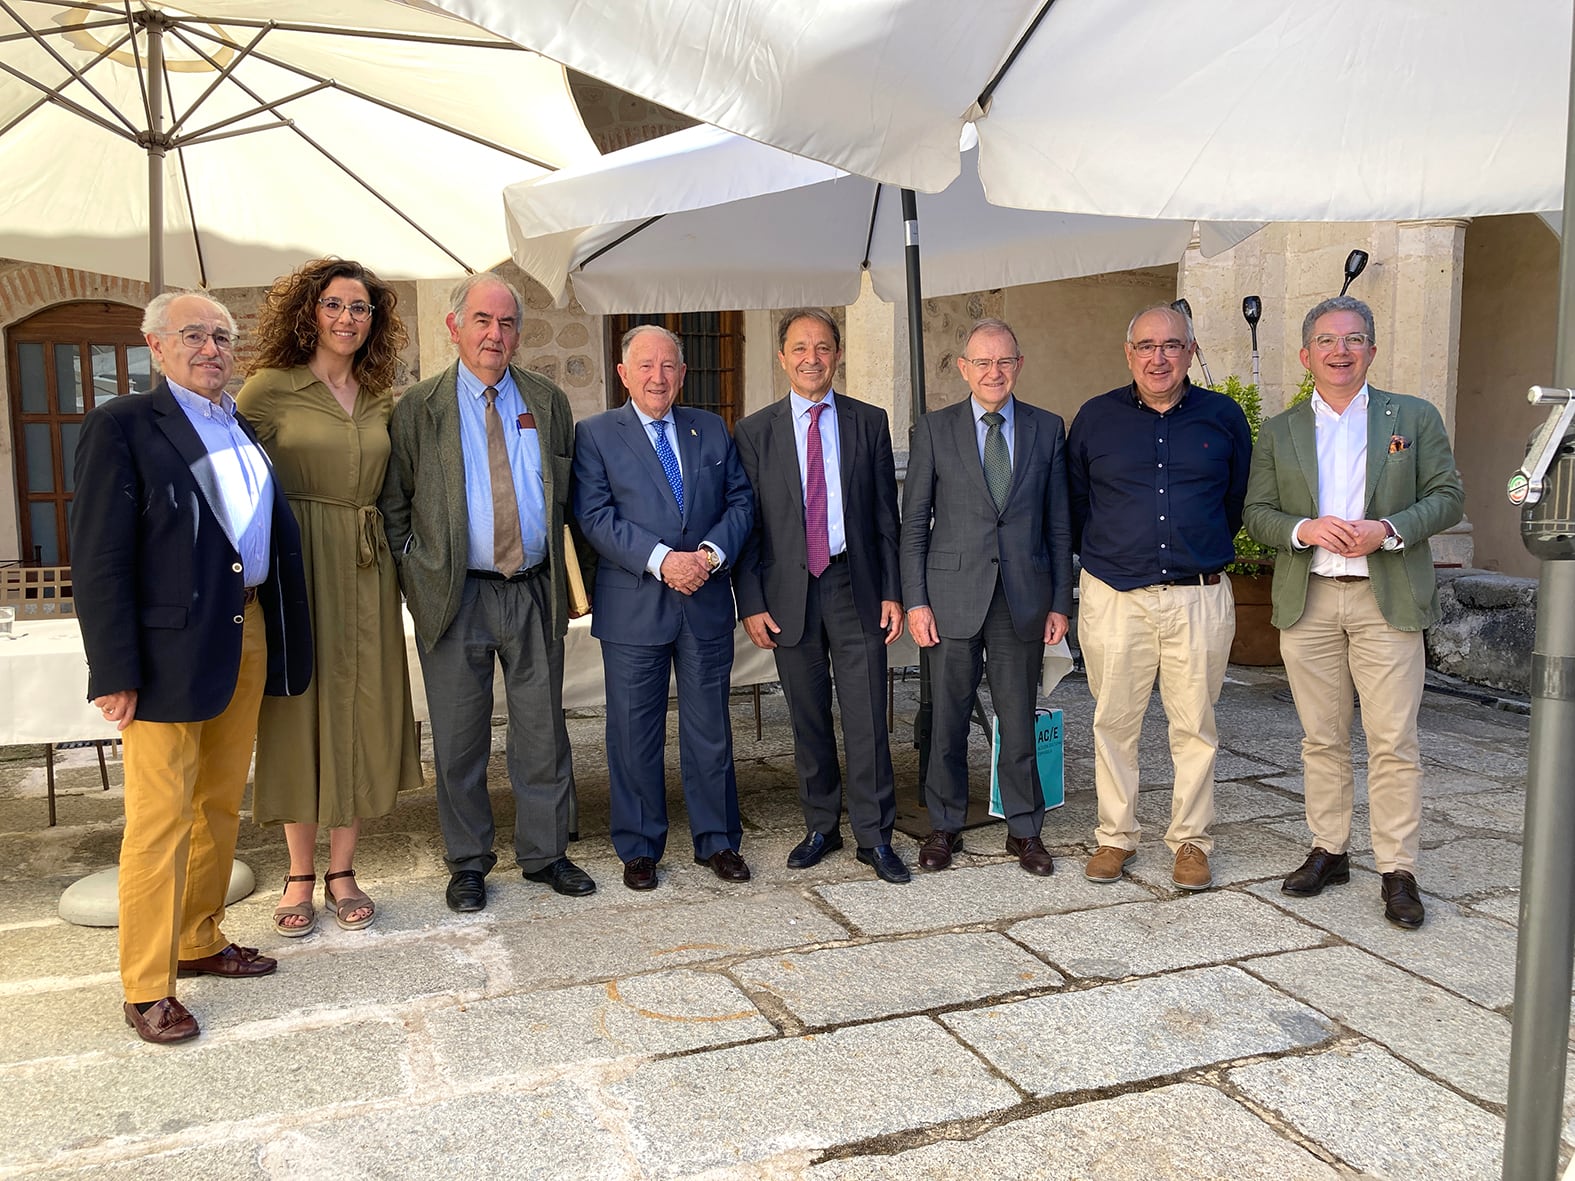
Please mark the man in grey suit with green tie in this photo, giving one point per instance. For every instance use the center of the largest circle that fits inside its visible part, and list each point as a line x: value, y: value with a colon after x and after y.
x: 473, y: 505
x: 1349, y: 487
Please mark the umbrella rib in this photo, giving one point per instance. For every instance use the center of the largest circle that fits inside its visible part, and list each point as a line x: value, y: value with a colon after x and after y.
x: 988, y: 92
x: 223, y: 71
x: 191, y: 216
x: 76, y: 76
x: 213, y: 130
x: 619, y: 240
x: 54, y: 96
x: 375, y: 34
x: 111, y: 22
x: 869, y: 240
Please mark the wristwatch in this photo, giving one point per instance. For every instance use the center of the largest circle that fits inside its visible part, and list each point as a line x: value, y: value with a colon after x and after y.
x: 711, y: 559
x: 1391, y: 539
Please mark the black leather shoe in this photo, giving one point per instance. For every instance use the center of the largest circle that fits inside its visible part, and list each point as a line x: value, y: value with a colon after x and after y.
x: 1402, y: 900
x: 937, y: 850
x: 467, y: 890
x: 1032, y: 855
x: 887, y: 865
x: 564, y: 877
x: 640, y: 874
x: 1322, y: 868
x: 727, y: 865
x: 812, y: 848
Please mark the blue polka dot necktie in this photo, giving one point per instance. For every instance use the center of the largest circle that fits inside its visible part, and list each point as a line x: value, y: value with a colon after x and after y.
x: 664, y: 452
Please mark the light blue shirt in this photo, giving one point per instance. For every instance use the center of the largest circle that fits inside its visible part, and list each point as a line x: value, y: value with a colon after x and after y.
x: 831, y: 460
x: 524, y: 448
x: 982, y: 428
x: 654, y: 562
x: 242, y: 475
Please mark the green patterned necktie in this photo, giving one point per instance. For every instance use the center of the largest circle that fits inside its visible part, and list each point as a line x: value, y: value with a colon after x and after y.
x: 997, y: 460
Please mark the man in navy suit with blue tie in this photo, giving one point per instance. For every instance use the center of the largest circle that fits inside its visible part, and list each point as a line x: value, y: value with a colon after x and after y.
x: 662, y: 498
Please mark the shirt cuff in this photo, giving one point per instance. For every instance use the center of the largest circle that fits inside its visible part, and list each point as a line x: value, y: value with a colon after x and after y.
x: 658, y: 556
x: 1295, y: 529
x: 721, y: 558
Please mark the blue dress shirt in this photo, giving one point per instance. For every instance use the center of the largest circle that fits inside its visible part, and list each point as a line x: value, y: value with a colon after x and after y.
x: 831, y: 460
x: 524, y: 448
x: 243, y: 477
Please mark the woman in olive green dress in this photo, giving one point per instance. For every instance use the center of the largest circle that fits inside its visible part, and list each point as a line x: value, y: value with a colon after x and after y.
x: 318, y: 397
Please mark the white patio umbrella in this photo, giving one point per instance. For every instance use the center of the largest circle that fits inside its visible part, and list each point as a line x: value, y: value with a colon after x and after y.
x: 705, y: 220
x: 263, y: 132
x: 1345, y: 110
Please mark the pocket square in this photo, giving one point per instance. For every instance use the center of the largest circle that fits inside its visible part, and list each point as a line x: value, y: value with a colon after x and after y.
x: 1398, y: 443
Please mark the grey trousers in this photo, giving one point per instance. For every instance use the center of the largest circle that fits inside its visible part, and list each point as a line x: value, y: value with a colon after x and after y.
x: 507, y: 623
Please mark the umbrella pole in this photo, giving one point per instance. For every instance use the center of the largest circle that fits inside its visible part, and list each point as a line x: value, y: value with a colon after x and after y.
x: 1539, y: 1038
x: 155, y: 157
x: 910, y: 224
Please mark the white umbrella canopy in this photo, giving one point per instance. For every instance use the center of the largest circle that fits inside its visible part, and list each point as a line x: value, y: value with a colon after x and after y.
x: 1344, y: 110
x: 290, y: 129
x: 738, y: 224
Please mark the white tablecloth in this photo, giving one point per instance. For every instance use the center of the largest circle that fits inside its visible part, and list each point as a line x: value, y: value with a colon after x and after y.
x: 43, y: 678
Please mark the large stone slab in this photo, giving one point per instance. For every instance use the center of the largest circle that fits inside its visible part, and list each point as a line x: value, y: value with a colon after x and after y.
x: 1377, y: 1115
x: 1122, y: 1033
x: 1471, y: 866
x: 557, y: 1133
x: 630, y: 940
x: 748, y: 1103
x: 226, y: 1162
x: 971, y: 896
x: 64, y: 1021
x: 1152, y: 1136
x: 1461, y: 1043
x: 1497, y: 811
x: 663, y: 1013
x: 1145, y: 938
x: 57, y: 951
x: 156, y: 1091
x: 839, y: 984
x: 1466, y: 953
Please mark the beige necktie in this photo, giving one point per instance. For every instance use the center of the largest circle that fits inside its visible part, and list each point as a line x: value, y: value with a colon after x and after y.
x: 508, y: 549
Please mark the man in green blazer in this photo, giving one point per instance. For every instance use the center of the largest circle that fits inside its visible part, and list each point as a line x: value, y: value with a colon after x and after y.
x: 1349, y: 487
x: 473, y: 505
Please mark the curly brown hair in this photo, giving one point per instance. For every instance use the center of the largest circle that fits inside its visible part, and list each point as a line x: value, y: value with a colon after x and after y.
x: 287, y: 325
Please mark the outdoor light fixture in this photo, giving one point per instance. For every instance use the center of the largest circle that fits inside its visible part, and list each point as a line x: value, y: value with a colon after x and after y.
x: 1185, y: 309
x: 1355, y: 264
x: 1252, y: 312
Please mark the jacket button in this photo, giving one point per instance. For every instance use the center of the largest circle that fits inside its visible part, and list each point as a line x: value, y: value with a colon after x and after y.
x: 995, y: 561
x: 240, y: 619
x: 236, y: 567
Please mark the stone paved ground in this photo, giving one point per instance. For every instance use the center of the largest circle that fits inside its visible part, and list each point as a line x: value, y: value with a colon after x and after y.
x: 819, y: 1024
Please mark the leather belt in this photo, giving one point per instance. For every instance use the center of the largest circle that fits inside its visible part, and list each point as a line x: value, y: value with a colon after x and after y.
x: 1191, y: 580
x: 523, y: 576
x: 1342, y: 577
x: 248, y: 596
x: 835, y: 558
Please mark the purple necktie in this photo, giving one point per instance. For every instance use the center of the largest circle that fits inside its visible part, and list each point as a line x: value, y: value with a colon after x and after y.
x: 817, y: 543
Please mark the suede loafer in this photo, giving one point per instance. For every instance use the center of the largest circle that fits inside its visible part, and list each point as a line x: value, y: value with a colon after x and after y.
x: 467, y: 891
x: 564, y: 877
x: 232, y: 960
x: 812, y: 848
x: 727, y: 865
x: 887, y: 865
x: 640, y: 874
x: 165, y: 1023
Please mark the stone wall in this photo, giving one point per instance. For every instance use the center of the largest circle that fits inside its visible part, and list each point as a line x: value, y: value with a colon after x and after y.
x: 1487, y: 631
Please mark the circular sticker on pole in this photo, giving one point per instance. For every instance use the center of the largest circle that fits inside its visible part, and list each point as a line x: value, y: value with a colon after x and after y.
x: 1519, y: 485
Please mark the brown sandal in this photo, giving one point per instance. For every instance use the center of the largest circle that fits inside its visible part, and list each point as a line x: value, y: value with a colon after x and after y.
x: 347, y: 906
x: 305, y: 910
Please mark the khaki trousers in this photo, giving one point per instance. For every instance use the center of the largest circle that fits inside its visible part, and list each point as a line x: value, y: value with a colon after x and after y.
x: 184, y: 783
x: 1341, y: 640
x: 1182, y: 635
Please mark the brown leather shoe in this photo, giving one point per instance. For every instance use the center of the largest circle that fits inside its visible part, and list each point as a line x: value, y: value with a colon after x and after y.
x: 727, y: 865
x: 1191, y: 871
x: 937, y: 850
x: 1031, y: 854
x: 1108, y: 863
x: 1322, y: 868
x: 1402, y: 899
x: 640, y: 874
x: 232, y: 960
x: 165, y: 1022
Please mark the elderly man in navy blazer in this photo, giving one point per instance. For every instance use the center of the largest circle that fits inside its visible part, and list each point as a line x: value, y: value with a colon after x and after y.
x: 191, y: 593
x: 819, y: 585
x: 987, y: 572
x: 661, y: 497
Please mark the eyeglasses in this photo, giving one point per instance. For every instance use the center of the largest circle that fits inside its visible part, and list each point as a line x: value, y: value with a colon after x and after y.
x: 985, y: 364
x: 1325, y: 342
x: 359, y: 309
x: 1147, y: 348
x: 194, y: 338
